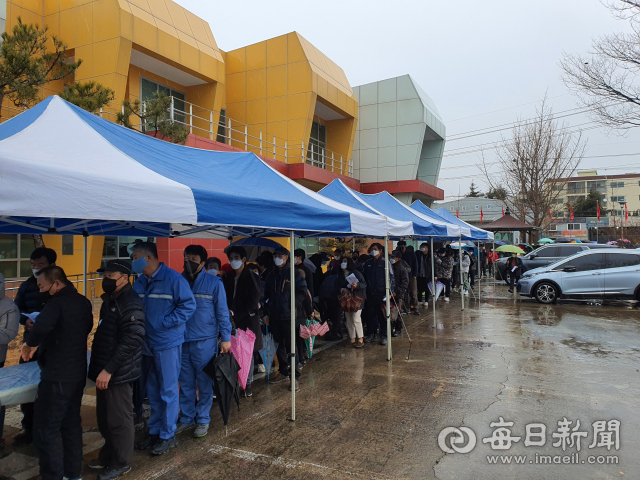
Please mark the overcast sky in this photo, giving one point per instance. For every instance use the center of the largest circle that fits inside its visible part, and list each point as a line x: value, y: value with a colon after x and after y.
x: 484, y: 63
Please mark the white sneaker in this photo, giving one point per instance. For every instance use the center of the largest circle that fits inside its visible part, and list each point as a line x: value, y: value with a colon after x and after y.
x: 446, y: 299
x: 425, y: 304
x: 466, y: 292
x: 261, y: 368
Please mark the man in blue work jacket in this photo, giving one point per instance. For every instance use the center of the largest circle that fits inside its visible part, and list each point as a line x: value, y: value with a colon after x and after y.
x: 201, y: 341
x: 168, y: 304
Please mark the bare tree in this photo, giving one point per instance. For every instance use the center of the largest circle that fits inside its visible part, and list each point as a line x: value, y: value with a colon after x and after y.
x: 538, y: 152
x: 605, y: 80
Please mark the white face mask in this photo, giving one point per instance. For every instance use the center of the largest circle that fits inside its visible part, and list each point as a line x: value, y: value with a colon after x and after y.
x: 344, y: 265
x: 236, y: 264
x: 423, y: 249
x: 374, y: 253
x: 212, y: 271
x: 35, y: 272
x: 278, y: 261
x: 337, y: 257
x: 392, y: 261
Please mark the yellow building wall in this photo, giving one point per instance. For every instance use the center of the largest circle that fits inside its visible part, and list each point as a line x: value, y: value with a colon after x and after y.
x: 273, y: 86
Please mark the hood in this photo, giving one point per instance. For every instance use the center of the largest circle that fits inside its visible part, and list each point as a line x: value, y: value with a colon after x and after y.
x: 1, y: 286
x: 310, y: 265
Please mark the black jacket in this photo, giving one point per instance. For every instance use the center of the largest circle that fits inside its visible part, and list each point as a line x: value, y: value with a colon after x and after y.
x: 402, y: 279
x: 308, y: 277
x: 361, y: 289
x: 117, y: 344
x: 278, y: 294
x: 245, y: 305
x: 424, y: 264
x: 514, y: 262
x: 410, y: 257
x: 29, y: 299
x: 374, y: 275
x: 61, y: 332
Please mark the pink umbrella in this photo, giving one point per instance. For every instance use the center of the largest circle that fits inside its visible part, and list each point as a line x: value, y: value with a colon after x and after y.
x: 242, y: 350
x: 319, y: 329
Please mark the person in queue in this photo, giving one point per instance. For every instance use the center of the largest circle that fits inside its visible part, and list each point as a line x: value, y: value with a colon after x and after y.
x: 213, y: 266
x: 9, y: 325
x: 116, y: 362
x: 278, y: 294
x: 409, y: 256
x: 423, y: 258
x: 334, y: 265
x: 465, y: 265
x: 374, y: 275
x: 60, y: 337
x: 400, y: 287
x: 168, y: 305
x: 210, y: 319
x: 300, y: 258
x: 243, y: 292
x: 354, y: 319
x: 444, y: 270
x: 30, y: 300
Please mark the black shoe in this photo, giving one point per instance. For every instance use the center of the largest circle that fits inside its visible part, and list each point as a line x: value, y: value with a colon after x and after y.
x: 114, y: 473
x: 416, y: 312
x: 300, y: 366
x: 247, y: 391
x: 297, y: 386
x: 148, y: 443
x: 97, y: 464
x: 383, y: 341
x: 367, y: 339
x: 374, y: 338
x: 279, y: 378
x: 510, y: 291
x: 163, y: 446
x: 396, y: 333
x: 23, y: 438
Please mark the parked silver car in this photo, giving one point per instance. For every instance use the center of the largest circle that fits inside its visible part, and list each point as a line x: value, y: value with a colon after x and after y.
x: 601, y: 273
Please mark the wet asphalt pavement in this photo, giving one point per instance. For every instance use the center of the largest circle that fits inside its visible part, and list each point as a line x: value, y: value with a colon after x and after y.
x: 360, y: 416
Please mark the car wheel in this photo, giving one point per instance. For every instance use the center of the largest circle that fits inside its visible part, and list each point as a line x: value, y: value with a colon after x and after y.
x: 546, y: 293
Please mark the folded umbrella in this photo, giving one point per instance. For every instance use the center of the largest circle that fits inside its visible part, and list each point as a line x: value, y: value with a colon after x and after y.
x: 438, y: 290
x: 268, y: 351
x: 242, y: 350
x: 309, y: 334
x: 223, y: 369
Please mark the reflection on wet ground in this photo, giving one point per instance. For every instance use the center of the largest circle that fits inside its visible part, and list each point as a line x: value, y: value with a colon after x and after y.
x: 360, y: 416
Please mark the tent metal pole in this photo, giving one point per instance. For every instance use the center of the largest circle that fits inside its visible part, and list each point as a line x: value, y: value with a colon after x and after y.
x: 479, y: 275
x: 292, y: 355
x: 388, y: 295
x: 460, y: 270
x: 84, y: 269
x: 433, y: 284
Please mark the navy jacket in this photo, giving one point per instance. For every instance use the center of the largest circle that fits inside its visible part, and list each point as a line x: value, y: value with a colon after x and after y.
x: 278, y: 292
x: 374, y: 275
x: 212, y: 313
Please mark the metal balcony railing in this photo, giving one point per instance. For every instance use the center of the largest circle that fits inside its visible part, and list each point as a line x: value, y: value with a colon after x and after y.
x: 200, y: 121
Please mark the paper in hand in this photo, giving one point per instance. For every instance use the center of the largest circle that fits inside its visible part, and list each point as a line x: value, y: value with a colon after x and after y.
x: 351, y: 279
x: 514, y: 269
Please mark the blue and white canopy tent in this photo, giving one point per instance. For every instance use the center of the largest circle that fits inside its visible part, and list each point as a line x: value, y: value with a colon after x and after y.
x: 66, y: 171
x: 424, y: 225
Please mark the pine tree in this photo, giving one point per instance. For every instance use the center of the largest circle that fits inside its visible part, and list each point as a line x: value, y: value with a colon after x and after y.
x: 90, y: 96
x: 473, y: 191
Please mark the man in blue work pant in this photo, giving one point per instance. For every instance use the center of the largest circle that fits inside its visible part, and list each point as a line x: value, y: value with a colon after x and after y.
x: 162, y: 391
x: 195, y: 356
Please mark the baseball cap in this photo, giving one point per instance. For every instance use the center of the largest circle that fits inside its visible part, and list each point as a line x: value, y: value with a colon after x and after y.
x: 116, y: 266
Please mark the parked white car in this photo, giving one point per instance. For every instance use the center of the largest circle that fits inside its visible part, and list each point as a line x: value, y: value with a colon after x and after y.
x: 598, y: 273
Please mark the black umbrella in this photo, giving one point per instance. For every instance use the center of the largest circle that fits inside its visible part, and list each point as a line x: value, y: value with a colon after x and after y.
x: 223, y: 369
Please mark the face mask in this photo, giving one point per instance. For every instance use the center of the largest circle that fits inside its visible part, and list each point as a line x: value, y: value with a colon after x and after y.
x: 344, y: 265
x: 423, y: 249
x: 236, y: 264
x: 35, y: 272
x: 49, y: 291
x: 212, y: 271
x: 392, y: 261
x: 373, y: 253
x: 337, y: 257
x: 324, y: 264
x: 278, y: 261
x: 109, y: 285
x: 190, y: 268
x: 138, y: 265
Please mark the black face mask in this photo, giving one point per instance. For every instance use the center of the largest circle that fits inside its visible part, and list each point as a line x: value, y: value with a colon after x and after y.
x: 190, y: 268
x: 109, y: 285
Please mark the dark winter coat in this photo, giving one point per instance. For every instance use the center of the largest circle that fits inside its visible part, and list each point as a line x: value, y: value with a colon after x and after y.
x: 278, y: 294
x: 402, y: 279
x: 117, y: 343
x: 374, y: 275
x: 445, y: 269
x: 410, y: 257
x: 29, y: 299
x: 61, y: 332
x: 361, y: 289
x: 245, y: 305
x: 513, y: 262
x: 424, y: 264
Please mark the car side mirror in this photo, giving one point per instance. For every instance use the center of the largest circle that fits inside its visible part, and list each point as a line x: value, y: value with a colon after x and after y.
x: 570, y: 268
x: 532, y: 256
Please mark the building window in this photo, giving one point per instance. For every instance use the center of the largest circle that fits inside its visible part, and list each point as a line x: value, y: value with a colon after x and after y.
x: 558, y: 201
x: 599, y: 186
x: 67, y: 244
x: 574, y: 188
x: 464, y: 207
x: 553, y: 227
x: 317, y: 151
x: 617, y: 184
x: 222, y: 129
x: 15, y: 251
x: 619, y: 199
x: 149, y: 87
x: 489, y: 206
x: 573, y: 226
x: 120, y: 247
